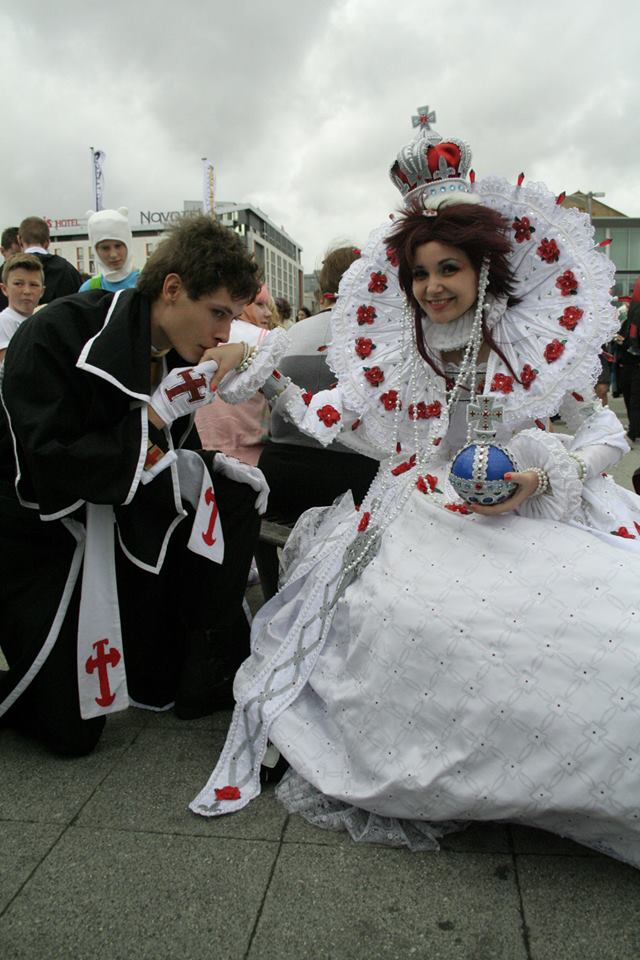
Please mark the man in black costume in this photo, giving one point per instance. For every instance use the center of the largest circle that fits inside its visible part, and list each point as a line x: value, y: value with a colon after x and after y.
x: 119, y: 544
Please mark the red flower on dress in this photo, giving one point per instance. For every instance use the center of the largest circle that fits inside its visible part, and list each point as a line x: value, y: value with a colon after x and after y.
x: 374, y: 375
x: 457, y: 508
x: 425, y: 411
x: 389, y: 400
x: 328, y: 414
x: 553, y: 350
x: 567, y: 283
x: 307, y: 397
x: 392, y: 257
x: 427, y: 484
x: 365, y: 314
x: 364, y: 346
x: 623, y: 532
x: 436, y: 441
x: 227, y: 793
x: 523, y: 229
x: 528, y: 375
x: 502, y: 383
x: 570, y: 317
x: 364, y: 522
x: 378, y: 282
x: 548, y: 251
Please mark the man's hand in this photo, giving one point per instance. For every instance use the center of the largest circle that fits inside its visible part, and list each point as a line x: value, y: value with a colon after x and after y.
x: 182, y: 391
x: 243, y: 473
x: 527, y: 485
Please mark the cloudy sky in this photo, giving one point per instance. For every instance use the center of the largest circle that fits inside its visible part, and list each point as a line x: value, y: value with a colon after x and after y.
x: 302, y: 105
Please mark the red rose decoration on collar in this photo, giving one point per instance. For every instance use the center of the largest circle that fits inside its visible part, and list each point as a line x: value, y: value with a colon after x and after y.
x: 548, y: 251
x: 328, y: 414
x: 377, y: 282
x: 553, y: 350
x: 502, y: 383
x: 522, y: 229
x: 571, y: 317
x: 527, y: 375
x: 365, y: 314
x: 374, y: 375
x: 389, y: 400
x: 364, y: 346
x: 567, y: 284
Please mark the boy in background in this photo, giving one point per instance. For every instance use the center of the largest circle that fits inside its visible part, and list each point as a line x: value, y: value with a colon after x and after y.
x: 23, y: 286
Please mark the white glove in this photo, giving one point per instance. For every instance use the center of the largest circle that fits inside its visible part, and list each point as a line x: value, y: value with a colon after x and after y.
x: 183, y: 390
x: 243, y: 473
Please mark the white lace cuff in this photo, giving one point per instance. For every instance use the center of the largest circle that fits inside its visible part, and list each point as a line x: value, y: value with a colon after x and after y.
x: 319, y: 415
x: 536, y: 448
x: 238, y: 387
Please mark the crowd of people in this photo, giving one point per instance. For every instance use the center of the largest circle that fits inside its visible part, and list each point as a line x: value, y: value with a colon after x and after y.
x: 453, y: 631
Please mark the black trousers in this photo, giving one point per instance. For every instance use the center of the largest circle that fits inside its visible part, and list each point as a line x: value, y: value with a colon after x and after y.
x: 156, y: 612
x: 629, y: 384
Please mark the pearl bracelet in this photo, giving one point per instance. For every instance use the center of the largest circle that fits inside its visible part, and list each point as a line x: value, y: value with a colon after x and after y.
x: 582, y: 466
x: 247, y: 358
x: 543, y: 481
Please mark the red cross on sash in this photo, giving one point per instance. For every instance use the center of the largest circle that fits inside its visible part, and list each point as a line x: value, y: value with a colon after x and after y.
x: 102, y: 680
x: 206, y: 533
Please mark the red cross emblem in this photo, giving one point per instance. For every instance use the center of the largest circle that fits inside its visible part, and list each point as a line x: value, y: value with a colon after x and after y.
x: 210, y: 498
x: 191, y: 386
x: 101, y: 662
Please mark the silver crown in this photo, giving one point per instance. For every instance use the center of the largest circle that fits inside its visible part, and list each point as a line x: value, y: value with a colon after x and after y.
x: 430, y: 165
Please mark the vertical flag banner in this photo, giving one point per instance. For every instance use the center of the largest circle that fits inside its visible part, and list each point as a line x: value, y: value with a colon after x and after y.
x: 208, y: 188
x: 98, y: 158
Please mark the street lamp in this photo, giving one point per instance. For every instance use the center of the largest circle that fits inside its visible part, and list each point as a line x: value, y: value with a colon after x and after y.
x: 590, y: 197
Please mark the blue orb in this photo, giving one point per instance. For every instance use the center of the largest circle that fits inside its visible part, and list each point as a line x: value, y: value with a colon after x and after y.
x: 477, y: 473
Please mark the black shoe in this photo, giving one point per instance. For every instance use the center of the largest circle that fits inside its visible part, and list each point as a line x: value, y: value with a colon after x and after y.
x: 274, y: 774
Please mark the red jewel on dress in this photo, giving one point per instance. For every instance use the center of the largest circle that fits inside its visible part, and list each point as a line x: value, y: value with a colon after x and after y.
x: 623, y: 532
x: 578, y: 397
x: 328, y: 414
x: 457, y: 508
x: 364, y: 522
x: 406, y: 465
x: 427, y: 484
x: 227, y: 793
x: 391, y: 257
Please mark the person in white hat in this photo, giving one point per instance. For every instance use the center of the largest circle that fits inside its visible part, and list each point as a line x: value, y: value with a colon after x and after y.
x: 111, y: 238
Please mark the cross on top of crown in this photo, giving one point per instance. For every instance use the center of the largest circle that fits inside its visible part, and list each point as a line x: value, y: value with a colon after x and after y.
x: 484, y: 414
x: 424, y: 118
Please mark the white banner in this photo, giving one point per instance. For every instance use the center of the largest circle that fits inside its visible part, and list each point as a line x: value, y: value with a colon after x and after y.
x: 208, y: 188
x: 98, y: 158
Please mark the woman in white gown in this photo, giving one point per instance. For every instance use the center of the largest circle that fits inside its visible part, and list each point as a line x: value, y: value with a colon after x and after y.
x: 429, y: 662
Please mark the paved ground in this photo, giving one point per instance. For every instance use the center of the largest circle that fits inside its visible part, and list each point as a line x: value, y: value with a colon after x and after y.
x: 100, y: 858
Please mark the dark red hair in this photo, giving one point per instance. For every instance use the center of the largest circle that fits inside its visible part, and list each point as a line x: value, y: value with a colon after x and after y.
x: 477, y: 230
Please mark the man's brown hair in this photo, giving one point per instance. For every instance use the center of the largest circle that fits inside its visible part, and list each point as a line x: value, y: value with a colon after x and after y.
x: 26, y: 261
x: 34, y: 231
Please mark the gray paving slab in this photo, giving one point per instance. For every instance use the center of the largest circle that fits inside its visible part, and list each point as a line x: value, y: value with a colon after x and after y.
x: 22, y: 847
x: 580, y: 908
x: 36, y: 785
x: 152, y: 786
x: 356, y: 903
x: 124, y: 896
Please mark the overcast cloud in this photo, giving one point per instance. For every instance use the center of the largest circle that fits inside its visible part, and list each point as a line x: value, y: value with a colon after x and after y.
x: 302, y: 105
